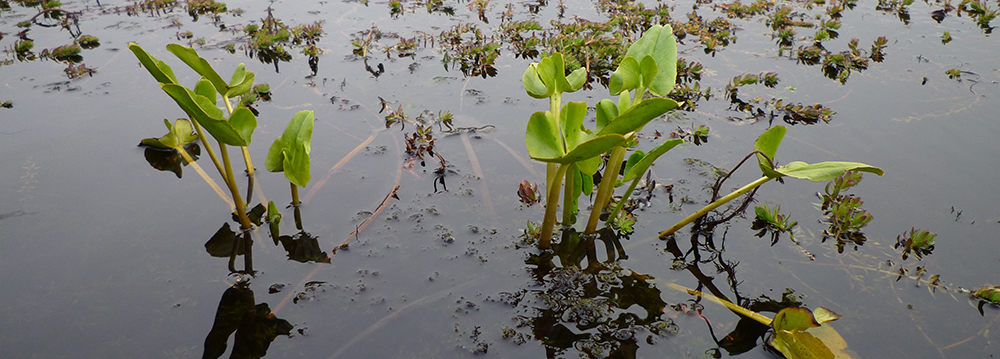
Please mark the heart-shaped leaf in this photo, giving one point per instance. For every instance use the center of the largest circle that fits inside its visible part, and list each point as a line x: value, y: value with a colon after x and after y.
x: 199, y: 65
x: 159, y: 69
x: 571, y: 121
x: 767, y: 144
x: 533, y: 83
x: 658, y: 42
x: 627, y: 76
x: 290, y: 152
x: 648, y: 69
x: 542, y: 138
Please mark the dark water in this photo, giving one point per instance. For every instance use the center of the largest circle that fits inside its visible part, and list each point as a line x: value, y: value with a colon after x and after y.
x: 103, y: 256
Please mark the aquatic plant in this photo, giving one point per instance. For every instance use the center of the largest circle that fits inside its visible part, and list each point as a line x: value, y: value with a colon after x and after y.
x: 558, y: 137
x: 765, y: 149
x: 290, y: 153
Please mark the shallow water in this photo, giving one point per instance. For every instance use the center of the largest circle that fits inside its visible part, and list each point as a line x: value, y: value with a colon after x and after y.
x: 103, y: 256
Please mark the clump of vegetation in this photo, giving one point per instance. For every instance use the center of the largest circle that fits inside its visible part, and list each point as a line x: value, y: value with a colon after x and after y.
x: 472, y: 52
x: 88, y: 41
x: 66, y: 52
x: 917, y: 242
x: 202, y: 7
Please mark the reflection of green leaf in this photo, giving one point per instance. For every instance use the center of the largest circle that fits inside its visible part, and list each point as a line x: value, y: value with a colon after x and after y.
x: 221, y: 243
x: 290, y: 152
x: 170, y: 160
x: 794, y: 319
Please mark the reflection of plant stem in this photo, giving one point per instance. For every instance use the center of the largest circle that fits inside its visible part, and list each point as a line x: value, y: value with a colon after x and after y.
x: 201, y: 172
x: 551, y: 203
x: 704, y: 210
x: 733, y: 307
x: 247, y: 252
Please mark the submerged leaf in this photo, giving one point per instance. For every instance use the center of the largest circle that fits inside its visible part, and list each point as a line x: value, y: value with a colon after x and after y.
x: 800, y: 334
x: 824, y: 171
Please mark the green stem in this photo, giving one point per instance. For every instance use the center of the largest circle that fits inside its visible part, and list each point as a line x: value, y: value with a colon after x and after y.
x: 569, y: 205
x: 760, y: 318
x: 551, y: 203
x: 208, y: 148
x: 241, y: 207
x: 295, y: 194
x: 606, y: 188
x: 625, y: 196
x: 701, y: 212
x: 639, y: 94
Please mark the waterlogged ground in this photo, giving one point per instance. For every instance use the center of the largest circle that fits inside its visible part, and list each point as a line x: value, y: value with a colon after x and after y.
x: 104, y: 256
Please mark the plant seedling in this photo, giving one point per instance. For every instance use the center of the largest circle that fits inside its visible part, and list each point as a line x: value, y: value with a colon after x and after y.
x: 290, y: 152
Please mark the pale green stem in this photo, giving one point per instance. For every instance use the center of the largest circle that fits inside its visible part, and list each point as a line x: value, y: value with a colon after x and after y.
x: 211, y: 152
x: 569, y: 199
x: 246, y: 152
x: 551, y: 203
x: 701, y: 212
x: 295, y: 194
x: 241, y: 207
x: 607, y: 187
x: 639, y: 94
x: 760, y: 318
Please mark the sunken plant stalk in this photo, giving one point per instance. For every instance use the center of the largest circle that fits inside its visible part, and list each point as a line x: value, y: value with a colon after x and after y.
x: 704, y: 210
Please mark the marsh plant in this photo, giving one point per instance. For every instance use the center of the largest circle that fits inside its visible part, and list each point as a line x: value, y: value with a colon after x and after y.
x: 233, y: 128
x: 645, y: 75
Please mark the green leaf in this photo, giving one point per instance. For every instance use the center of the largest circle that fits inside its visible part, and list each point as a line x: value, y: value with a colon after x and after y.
x: 290, y: 152
x: 640, y: 167
x: 199, y: 65
x: 638, y: 116
x: 649, y: 70
x: 586, y: 150
x: 205, y: 88
x: 159, y: 69
x: 244, y: 122
x: 587, y: 183
x: 542, y: 137
x: 200, y: 109
x: 632, y: 160
x: 571, y: 121
x: 178, y: 135
x: 798, y: 334
x: 824, y: 171
x: 238, y: 75
x: 768, y: 143
x: 658, y: 42
x: 626, y: 77
x: 533, y: 83
x: 795, y: 318
x: 242, y: 87
x: 576, y: 79
x: 606, y: 111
